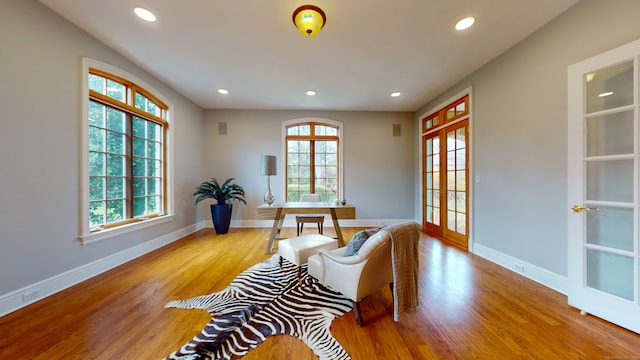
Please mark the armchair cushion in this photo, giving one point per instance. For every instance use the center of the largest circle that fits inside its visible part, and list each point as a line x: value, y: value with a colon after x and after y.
x: 358, y: 239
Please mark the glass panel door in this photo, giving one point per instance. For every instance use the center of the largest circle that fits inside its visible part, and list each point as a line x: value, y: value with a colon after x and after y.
x: 610, y: 174
x: 456, y: 185
x: 431, y: 177
x: 446, y: 173
x: 603, y: 188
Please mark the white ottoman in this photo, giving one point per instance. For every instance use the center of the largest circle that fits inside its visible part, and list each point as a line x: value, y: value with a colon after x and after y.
x: 298, y: 249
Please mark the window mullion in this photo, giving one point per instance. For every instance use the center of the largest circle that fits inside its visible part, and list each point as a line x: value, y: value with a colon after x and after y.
x: 103, y: 99
x: 129, y: 166
x: 312, y: 163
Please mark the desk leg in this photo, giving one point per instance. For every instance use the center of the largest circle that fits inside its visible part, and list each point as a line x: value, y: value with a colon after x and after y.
x: 275, y: 230
x: 336, y: 226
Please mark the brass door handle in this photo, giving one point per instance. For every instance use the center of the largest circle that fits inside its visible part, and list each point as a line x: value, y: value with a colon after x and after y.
x: 578, y: 208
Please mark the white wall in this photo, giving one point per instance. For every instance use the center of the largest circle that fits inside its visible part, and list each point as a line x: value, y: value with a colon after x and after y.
x: 520, y: 132
x: 40, y: 69
x: 378, y: 166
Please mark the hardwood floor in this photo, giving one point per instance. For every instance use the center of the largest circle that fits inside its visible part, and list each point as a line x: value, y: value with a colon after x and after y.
x: 469, y: 309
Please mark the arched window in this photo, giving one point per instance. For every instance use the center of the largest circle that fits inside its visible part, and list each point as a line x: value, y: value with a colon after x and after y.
x: 313, y: 160
x: 126, y: 168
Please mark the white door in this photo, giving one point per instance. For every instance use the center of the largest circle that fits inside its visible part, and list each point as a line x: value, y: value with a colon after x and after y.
x: 603, y: 192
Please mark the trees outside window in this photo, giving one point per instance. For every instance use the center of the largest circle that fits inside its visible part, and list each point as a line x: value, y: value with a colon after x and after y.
x: 126, y: 167
x: 313, y: 160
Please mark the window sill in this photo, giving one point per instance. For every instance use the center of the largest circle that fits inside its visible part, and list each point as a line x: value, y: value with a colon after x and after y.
x: 121, y: 230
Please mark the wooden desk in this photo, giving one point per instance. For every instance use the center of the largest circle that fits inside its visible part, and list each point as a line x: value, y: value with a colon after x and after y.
x: 277, y: 212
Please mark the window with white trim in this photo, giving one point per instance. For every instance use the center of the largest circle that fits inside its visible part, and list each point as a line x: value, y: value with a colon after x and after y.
x: 313, y: 160
x: 125, y: 164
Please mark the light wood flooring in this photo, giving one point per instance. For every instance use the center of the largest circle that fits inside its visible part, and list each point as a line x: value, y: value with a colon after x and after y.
x: 469, y: 309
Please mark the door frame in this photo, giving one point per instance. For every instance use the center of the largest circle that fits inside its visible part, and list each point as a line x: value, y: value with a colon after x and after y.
x: 470, y: 156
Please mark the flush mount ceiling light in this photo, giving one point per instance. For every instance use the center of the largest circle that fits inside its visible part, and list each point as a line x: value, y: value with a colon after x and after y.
x: 223, y: 91
x: 311, y: 93
x: 145, y: 14
x: 309, y: 19
x: 465, y: 23
x: 396, y: 94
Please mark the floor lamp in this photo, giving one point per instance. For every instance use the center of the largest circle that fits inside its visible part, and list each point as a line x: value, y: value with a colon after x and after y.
x: 269, y: 168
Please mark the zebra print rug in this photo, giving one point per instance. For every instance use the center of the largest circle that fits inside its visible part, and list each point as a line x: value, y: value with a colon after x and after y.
x: 265, y: 300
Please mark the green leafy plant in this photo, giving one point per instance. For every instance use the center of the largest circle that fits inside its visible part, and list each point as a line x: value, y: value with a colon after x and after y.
x: 211, y: 189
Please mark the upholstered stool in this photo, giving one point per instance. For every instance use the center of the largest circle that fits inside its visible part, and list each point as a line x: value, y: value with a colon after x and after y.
x: 298, y: 249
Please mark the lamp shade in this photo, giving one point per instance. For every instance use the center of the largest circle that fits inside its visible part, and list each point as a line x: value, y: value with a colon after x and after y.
x: 268, y: 165
x: 309, y: 19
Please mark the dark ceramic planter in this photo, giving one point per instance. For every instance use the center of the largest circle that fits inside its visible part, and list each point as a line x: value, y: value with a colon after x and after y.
x: 221, y: 216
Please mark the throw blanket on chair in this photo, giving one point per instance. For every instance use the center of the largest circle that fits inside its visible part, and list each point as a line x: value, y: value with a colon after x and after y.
x: 404, y: 260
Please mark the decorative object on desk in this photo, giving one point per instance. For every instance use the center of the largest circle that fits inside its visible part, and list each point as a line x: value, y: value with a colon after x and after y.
x: 343, y: 202
x: 263, y: 301
x: 269, y: 168
x: 223, y: 194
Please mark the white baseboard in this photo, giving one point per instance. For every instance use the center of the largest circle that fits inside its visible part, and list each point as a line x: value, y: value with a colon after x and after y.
x: 545, y: 277
x: 29, y: 294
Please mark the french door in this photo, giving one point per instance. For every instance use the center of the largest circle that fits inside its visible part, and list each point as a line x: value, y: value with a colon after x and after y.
x: 446, y: 173
x: 603, y: 179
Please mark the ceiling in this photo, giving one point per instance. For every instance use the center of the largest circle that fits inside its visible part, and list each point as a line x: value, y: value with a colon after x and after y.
x: 367, y: 49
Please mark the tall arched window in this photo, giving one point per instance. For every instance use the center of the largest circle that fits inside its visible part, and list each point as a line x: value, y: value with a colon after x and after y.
x: 125, y: 171
x: 313, y: 160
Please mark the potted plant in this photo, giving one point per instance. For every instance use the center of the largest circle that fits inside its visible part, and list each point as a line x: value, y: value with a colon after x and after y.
x: 223, y: 194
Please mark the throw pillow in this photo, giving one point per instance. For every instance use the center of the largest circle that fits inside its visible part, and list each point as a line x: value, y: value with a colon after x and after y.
x: 358, y: 239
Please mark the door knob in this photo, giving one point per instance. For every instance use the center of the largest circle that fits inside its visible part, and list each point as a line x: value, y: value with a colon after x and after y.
x: 578, y: 208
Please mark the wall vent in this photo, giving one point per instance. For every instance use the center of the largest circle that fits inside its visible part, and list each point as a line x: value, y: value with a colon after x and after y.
x: 397, y: 130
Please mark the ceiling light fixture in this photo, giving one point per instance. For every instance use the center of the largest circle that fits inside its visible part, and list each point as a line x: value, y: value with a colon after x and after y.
x: 311, y: 92
x: 309, y: 19
x: 465, y: 23
x: 223, y: 91
x: 145, y: 14
x: 396, y: 94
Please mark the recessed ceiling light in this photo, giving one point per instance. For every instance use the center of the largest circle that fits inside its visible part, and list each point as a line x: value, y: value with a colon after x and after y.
x: 396, y: 94
x: 311, y: 92
x: 145, y: 14
x: 223, y: 91
x: 465, y: 23
x: 608, y: 93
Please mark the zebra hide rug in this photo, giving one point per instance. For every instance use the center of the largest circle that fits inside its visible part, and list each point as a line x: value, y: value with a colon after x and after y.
x: 263, y: 301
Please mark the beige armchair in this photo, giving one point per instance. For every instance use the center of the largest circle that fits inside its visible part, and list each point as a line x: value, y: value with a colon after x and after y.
x: 372, y: 268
